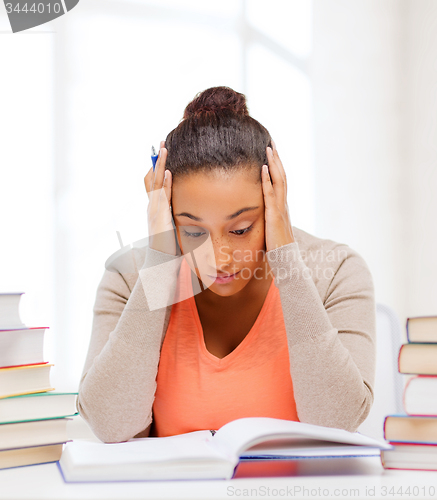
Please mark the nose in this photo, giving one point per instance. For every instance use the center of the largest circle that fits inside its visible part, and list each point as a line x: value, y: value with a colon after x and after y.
x: 221, y: 257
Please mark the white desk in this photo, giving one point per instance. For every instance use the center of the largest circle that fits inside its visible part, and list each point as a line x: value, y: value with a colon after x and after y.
x: 360, y: 478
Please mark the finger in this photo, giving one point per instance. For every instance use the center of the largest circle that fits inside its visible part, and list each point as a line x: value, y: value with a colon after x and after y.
x: 167, y: 185
x: 279, y: 162
x: 276, y: 175
x: 268, y: 191
x: 158, y: 179
x: 160, y: 202
x: 162, y: 144
x: 277, y: 158
x: 148, y: 180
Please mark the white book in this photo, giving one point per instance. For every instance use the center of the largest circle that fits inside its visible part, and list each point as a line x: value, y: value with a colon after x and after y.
x: 9, y: 311
x: 202, y: 455
x: 37, y: 406
x: 420, y: 395
x: 36, y: 433
x: 27, y: 379
x: 410, y: 456
x: 24, y: 346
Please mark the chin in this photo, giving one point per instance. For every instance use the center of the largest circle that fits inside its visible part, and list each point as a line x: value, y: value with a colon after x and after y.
x: 226, y: 290
x: 222, y: 293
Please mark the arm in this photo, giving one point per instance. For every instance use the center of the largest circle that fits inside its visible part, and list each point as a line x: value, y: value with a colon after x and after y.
x: 332, y: 342
x: 118, y: 383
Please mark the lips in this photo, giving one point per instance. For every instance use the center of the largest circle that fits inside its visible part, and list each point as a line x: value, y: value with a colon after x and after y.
x: 223, y: 276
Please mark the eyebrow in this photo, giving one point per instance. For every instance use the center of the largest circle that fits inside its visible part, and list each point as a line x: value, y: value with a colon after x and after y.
x: 229, y: 217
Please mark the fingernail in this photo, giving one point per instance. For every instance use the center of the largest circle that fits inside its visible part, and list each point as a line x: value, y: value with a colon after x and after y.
x: 273, y: 144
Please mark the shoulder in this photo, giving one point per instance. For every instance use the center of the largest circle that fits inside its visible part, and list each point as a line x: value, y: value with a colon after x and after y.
x: 125, y: 265
x: 331, y: 262
x: 322, y: 250
x: 122, y: 268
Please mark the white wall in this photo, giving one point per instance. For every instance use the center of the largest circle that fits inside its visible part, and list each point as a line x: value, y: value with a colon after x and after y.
x: 121, y: 86
x: 26, y: 166
x: 374, y: 86
x: 368, y: 180
x: 419, y: 225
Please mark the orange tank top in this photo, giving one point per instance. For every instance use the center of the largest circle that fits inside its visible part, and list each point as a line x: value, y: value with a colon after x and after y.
x: 197, y: 390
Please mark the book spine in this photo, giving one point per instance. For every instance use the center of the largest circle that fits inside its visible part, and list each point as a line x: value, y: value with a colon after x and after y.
x: 404, y: 352
x: 404, y: 394
x: 383, y: 426
x: 409, y: 388
x: 406, y: 468
x: 411, y: 443
x: 399, y: 358
x: 27, y: 364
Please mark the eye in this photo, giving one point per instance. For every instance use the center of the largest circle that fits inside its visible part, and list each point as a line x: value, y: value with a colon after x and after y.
x: 192, y: 235
x: 240, y: 232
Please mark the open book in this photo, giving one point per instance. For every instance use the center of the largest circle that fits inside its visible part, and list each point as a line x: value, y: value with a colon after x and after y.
x: 208, y: 455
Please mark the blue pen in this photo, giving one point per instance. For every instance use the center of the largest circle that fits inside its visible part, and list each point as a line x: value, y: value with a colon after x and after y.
x: 154, y: 157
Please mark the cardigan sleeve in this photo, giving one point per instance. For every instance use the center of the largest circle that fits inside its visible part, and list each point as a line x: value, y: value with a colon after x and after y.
x: 331, y: 339
x: 118, y: 383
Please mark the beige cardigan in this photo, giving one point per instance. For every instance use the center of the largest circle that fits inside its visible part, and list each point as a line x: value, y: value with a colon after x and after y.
x: 328, y: 303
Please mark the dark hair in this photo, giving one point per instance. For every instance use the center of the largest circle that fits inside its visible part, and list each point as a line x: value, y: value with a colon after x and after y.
x: 216, y: 132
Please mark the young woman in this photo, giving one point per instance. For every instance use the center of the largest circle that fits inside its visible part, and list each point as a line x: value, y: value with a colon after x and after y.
x: 230, y: 311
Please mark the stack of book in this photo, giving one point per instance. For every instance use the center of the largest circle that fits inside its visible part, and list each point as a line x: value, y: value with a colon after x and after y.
x: 33, y: 420
x: 414, y: 434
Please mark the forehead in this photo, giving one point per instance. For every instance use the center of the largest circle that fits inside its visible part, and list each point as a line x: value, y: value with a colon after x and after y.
x: 216, y: 195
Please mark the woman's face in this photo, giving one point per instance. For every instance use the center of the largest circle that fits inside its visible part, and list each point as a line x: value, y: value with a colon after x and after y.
x: 220, y: 219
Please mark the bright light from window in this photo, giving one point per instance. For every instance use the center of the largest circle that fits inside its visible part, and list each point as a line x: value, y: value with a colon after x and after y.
x: 288, y: 22
x: 280, y: 99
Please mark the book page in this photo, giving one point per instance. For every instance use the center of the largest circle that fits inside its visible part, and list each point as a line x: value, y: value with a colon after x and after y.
x: 180, y: 448
x: 239, y: 435
x: 303, y: 447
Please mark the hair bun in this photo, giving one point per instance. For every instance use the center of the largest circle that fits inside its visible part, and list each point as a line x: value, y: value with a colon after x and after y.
x: 216, y: 100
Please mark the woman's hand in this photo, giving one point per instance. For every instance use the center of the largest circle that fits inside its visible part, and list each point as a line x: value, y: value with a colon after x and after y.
x: 278, y: 230
x: 159, y: 215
